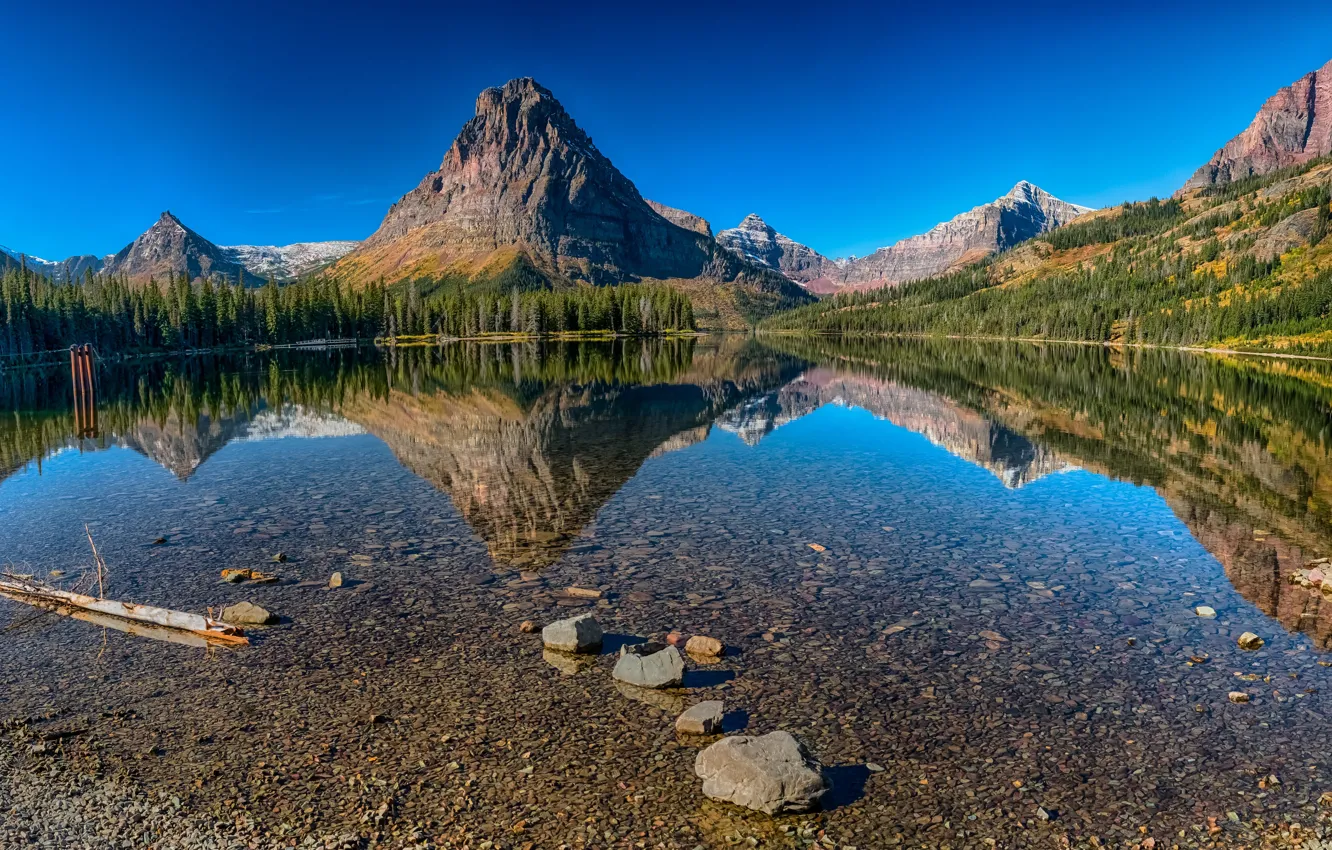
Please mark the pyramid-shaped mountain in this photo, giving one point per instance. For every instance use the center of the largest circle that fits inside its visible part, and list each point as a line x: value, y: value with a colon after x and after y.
x: 523, y: 183
x: 169, y: 248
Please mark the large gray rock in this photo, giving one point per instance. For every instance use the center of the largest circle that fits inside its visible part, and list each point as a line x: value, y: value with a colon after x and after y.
x: 650, y: 665
x: 576, y: 634
x: 247, y: 614
x: 773, y: 773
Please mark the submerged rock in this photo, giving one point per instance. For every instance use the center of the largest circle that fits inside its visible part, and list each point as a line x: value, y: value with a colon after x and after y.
x: 708, y: 647
x: 650, y: 665
x: 702, y: 719
x: 566, y: 662
x: 772, y: 773
x: 671, y: 702
x: 1249, y: 640
x: 247, y: 614
x: 576, y: 634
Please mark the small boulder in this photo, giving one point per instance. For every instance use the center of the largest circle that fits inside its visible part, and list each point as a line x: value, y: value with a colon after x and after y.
x: 1238, y: 697
x: 576, y: 634
x: 247, y: 614
x: 1205, y: 611
x: 702, y: 719
x: 650, y: 665
x: 527, y: 627
x: 706, y: 646
x: 1249, y: 640
x: 772, y: 773
x: 676, y: 640
x: 335, y: 581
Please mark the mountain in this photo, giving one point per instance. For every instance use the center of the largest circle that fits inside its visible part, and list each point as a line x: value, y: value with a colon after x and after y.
x: 1243, y: 267
x: 1293, y: 127
x: 524, y: 197
x: 757, y: 242
x: 1025, y: 212
x: 72, y: 268
x: 169, y: 247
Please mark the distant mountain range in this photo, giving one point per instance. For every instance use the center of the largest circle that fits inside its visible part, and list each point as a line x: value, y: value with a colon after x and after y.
x: 170, y: 248
x: 1025, y: 212
x: 524, y: 198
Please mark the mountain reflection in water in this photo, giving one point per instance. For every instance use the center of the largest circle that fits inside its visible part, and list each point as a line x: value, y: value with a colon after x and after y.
x: 531, y: 441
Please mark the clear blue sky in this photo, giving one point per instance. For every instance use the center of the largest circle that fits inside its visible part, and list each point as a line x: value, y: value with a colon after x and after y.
x: 846, y: 127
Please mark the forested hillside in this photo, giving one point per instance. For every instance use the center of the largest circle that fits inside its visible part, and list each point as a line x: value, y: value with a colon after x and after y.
x: 1245, y: 265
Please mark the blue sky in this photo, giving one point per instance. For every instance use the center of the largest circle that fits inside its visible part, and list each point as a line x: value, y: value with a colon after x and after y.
x: 845, y: 126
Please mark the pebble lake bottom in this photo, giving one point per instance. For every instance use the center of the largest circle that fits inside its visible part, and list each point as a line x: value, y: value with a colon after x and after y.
x: 966, y: 576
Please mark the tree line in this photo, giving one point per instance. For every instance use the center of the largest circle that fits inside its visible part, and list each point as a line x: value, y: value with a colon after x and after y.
x: 120, y: 316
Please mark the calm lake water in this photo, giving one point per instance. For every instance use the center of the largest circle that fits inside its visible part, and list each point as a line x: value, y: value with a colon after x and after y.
x: 966, y: 574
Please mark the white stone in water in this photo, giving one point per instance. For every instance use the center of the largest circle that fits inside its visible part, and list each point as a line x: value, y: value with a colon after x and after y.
x: 576, y: 634
x: 773, y: 773
x: 1205, y: 611
x: 702, y: 719
x: 650, y: 666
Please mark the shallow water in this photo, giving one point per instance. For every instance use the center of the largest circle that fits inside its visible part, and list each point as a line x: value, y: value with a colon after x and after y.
x: 1000, y: 617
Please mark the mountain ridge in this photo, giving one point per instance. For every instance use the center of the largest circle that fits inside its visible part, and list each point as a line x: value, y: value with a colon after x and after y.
x: 151, y: 255
x: 1025, y: 212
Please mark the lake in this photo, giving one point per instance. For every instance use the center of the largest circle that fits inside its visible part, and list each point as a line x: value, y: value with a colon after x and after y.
x: 966, y: 574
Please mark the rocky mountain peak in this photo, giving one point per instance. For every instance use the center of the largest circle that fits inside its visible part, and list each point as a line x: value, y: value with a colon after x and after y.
x: 1026, y: 211
x: 170, y: 248
x: 1029, y: 192
x: 756, y: 241
x: 1292, y: 127
x: 523, y: 180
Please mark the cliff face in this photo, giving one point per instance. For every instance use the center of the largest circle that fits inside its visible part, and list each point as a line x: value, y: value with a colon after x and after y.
x: 1025, y: 212
x: 1293, y: 126
x: 681, y: 218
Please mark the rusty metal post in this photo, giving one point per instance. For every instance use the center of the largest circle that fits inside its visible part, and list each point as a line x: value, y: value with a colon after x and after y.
x: 77, y: 384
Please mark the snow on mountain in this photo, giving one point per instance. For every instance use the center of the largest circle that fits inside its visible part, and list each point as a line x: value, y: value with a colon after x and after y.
x: 285, y: 262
